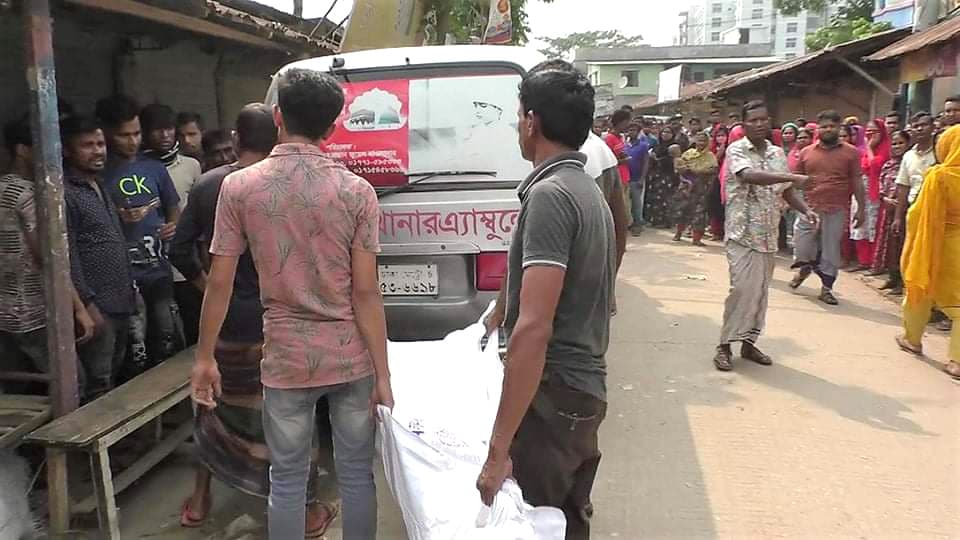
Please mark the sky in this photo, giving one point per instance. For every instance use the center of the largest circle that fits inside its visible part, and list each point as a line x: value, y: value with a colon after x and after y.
x: 655, y: 20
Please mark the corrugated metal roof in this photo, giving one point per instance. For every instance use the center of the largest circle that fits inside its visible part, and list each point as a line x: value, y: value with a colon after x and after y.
x: 856, y: 47
x: 937, y: 33
x: 268, y: 28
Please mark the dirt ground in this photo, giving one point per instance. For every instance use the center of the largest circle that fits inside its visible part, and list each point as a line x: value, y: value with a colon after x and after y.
x: 843, y: 437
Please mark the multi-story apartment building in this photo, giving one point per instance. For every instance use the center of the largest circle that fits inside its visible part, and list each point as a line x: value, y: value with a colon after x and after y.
x: 713, y: 22
x: 705, y: 22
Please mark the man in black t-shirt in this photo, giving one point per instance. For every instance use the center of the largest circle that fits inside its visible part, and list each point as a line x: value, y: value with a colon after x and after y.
x: 555, y: 308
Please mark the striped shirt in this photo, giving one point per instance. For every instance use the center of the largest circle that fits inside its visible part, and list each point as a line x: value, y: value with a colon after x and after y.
x: 22, y: 307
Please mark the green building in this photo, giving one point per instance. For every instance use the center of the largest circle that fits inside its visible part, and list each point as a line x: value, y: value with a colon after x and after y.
x: 633, y: 72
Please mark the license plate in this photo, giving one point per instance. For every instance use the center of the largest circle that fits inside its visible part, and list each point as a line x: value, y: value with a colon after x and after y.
x: 408, y: 279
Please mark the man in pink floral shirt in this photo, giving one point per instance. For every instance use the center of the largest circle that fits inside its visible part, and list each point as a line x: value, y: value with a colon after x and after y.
x: 312, y: 228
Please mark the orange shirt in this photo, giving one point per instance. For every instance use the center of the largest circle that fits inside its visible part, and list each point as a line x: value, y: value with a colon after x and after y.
x: 832, y: 172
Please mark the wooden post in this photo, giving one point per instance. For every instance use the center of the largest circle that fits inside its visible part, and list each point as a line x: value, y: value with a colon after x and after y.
x: 48, y: 174
x: 48, y: 171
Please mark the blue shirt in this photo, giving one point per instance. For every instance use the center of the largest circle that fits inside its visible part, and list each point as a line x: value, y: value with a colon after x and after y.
x: 639, y: 152
x: 143, y: 182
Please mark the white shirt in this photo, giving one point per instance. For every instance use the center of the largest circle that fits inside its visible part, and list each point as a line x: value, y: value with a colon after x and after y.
x: 912, y: 169
x: 184, y: 171
x: 599, y: 156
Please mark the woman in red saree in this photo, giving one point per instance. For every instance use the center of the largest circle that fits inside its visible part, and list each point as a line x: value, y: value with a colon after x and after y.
x: 876, y: 153
x: 715, y: 209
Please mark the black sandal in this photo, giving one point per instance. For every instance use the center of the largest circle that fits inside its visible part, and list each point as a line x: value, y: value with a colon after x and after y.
x: 749, y: 352
x: 723, y: 360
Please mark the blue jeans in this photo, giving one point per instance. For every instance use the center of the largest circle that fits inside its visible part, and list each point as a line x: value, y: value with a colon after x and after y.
x: 289, y: 419
x: 637, y: 192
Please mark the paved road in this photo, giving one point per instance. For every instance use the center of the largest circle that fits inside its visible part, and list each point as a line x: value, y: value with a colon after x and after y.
x: 844, y: 437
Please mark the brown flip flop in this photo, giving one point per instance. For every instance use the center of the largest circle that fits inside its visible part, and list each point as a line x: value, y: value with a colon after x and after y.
x: 190, y: 518
x: 332, y: 511
x: 953, y: 369
x: 906, y: 346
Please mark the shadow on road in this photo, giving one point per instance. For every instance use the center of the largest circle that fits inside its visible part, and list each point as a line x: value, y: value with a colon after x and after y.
x: 853, y: 402
x: 809, y: 291
x: 651, y: 482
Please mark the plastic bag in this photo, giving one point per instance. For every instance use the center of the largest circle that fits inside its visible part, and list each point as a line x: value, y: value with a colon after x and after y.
x: 435, y: 441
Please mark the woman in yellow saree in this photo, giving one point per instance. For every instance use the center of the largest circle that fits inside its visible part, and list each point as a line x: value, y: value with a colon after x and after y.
x: 931, y: 256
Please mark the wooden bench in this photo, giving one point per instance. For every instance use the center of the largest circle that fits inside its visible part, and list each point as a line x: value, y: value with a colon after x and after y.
x: 96, y: 426
x: 20, y: 415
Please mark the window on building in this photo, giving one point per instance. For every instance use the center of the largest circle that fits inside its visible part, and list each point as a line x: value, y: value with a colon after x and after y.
x: 714, y: 36
x: 757, y: 13
x: 792, y: 28
x: 790, y: 43
x: 632, y: 78
x: 758, y: 2
x: 717, y: 22
x: 697, y: 76
x: 717, y: 8
x: 790, y: 55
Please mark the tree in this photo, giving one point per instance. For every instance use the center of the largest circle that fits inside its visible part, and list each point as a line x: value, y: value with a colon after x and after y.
x: 467, y: 19
x: 843, y: 30
x: 850, y: 9
x: 298, y: 8
x: 853, y: 20
x: 561, y: 47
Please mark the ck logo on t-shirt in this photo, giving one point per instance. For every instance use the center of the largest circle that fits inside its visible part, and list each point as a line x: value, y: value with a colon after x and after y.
x: 134, y: 185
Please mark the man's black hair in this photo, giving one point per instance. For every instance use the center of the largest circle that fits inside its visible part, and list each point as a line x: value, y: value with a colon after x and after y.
x: 77, y: 125
x: 751, y: 106
x: 188, y: 117
x: 620, y: 115
x: 714, y: 111
x: 116, y: 109
x: 555, y: 63
x: 214, y: 137
x: 831, y: 115
x: 893, y: 113
x: 256, y: 130
x: 157, y: 116
x: 563, y: 101
x: 310, y: 102
x: 65, y: 109
x: 921, y: 114
x: 733, y: 115
x: 17, y: 132
x: 628, y: 108
x: 953, y: 99
x: 695, y: 119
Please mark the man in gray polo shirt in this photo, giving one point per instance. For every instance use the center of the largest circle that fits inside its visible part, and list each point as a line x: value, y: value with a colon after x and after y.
x: 561, y: 271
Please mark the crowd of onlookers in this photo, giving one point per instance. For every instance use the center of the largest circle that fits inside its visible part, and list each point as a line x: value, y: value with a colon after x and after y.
x: 670, y: 181
x: 862, y: 178
x: 128, y: 171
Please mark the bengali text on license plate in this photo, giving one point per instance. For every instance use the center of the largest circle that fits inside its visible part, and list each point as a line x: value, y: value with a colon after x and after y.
x: 408, y: 279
